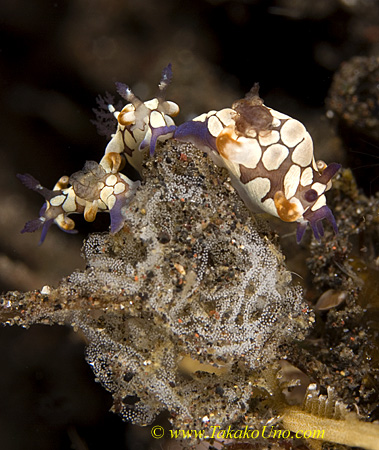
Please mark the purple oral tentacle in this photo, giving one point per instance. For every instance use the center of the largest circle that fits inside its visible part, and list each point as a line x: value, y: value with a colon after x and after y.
x: 320, y: 228
x: 43, y: 209
x: 45, y: 229
x: 330, y: 218
x: 315, y: 230
x: 315, y: 217
x: 301, y: 227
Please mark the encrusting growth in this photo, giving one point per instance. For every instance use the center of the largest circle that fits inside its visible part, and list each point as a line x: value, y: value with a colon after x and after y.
x: 184, y: 306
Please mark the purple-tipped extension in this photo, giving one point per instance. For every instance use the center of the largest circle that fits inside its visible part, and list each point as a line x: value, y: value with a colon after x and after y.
x: 29, y: 181
x: 166, y: 77
x: 301, y: 227
x: 315, y: 217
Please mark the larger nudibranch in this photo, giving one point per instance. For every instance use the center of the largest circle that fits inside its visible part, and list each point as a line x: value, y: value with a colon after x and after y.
x: 270, y: 160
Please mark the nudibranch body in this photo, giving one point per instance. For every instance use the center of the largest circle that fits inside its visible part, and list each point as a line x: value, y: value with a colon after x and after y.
x: 270, y: 160
x: 96, y: 188
x: 142, y: 124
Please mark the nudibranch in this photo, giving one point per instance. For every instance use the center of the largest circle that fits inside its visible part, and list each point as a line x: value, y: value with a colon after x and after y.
x: 142, y: 124
x: 96, y: 188
x: 270, y: 160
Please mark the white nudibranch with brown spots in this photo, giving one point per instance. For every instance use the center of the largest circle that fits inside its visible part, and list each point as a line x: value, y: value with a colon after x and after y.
x: 269, y: 157
x: 142, y: 124
x: 96, y: 188
x: 270, y: 160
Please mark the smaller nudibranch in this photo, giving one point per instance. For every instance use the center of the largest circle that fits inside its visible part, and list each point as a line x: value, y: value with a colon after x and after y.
x: 142, y: 124
x: 270, y: 160
x: 96, y: 188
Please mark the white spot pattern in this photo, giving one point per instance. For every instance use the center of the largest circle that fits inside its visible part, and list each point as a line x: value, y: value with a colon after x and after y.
x: 105, y: 193
x: 118, y: 188
x: 111, y: 180
x: 215, y: 126
x: 292, y: 132
x: 306, y: 176
x: 248, y: 152
x: 319, y: 188
x: 258, y: 188
x: 303, y: 153
x: 226, y: 116
x: 321, y: 201
x: 291, y: 181
x: 157, y: 120
x: 57, y: 200
x: 269, y: 138
x: 274, y: 156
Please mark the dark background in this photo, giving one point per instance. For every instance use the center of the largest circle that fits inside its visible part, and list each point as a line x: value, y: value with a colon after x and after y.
x: 55, y: 58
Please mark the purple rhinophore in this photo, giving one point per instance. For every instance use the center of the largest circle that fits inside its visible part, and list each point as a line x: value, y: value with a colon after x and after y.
x: 166, y: 77
x: 31, y: 183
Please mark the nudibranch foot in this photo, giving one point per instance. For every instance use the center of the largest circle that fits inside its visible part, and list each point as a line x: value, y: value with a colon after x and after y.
x: 117, y: 217
x: 196, y: 132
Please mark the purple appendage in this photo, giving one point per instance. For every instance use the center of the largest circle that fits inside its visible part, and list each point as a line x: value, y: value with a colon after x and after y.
x: 155, y: 134
x: 314, y: 218
x: 197, y: 133
x: 117, y: 218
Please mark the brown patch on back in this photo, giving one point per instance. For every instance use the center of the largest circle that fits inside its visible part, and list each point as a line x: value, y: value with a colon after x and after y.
x: 252, y: 115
